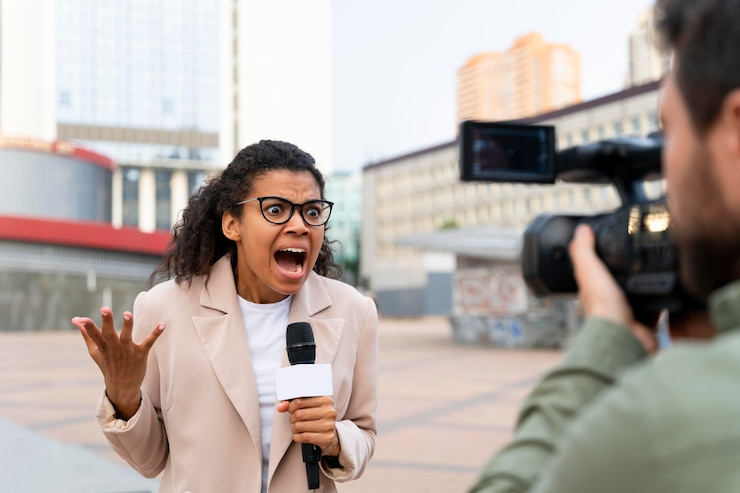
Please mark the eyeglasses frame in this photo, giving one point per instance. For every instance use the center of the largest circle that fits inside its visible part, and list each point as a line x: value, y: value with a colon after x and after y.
x: 292, y: 208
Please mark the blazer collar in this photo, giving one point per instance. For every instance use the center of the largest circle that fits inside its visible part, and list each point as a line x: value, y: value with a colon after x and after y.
x: 219, y: 292
x: 312, y: 299
x: 307, y: 304
x: 224, y: 340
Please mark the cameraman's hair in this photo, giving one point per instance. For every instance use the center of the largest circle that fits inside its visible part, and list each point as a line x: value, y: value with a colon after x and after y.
x: 704, y: 36
x: 197, y: 239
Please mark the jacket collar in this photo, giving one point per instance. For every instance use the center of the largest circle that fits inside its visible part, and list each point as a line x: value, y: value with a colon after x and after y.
x: 224, y: 340
x: 308, y: 305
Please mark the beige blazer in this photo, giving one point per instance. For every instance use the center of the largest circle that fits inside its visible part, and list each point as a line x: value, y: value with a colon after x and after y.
x: 198, y: 425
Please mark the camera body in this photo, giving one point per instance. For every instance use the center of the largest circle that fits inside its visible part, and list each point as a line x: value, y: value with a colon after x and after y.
x: 634, y: 241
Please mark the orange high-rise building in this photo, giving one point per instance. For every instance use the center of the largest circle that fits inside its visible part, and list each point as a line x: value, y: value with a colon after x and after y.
x: 530, y: 78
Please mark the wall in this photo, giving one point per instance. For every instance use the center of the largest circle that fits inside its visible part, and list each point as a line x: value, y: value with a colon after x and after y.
x: 42, y: 287
x: 53, y: 186
x: 493, y: 307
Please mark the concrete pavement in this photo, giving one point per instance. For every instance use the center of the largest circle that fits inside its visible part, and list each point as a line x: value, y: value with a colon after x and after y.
x: 444, y: 409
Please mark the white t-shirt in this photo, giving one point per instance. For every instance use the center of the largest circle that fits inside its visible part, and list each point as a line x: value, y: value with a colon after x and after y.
x: 266, y: 326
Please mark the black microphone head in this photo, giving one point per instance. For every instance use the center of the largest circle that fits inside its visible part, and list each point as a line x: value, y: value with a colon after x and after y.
x: 300, y: 344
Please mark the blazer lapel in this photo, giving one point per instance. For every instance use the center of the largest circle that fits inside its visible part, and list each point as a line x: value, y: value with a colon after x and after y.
x: 310, y: 300
x: 224, y: 341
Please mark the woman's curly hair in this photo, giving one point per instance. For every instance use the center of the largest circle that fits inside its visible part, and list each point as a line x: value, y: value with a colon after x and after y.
x: 197, y: 239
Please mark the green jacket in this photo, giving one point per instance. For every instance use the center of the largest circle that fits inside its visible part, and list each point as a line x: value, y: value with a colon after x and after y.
x: 608, y: 419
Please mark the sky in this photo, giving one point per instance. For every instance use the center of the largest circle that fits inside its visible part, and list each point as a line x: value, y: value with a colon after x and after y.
x: 396, y: 61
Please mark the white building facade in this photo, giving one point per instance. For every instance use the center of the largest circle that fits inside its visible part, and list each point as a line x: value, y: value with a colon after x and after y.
x: 421, y: 193
x: 646, y: 62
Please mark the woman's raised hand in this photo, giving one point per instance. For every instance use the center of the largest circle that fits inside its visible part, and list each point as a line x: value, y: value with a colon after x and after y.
x: 120, y: 359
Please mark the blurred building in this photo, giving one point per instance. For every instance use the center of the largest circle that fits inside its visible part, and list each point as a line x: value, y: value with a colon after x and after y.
x: 646, y: 61
x: 168, y: 90
x: 59, y: 254
x: 426, y: 234
x: 530, y: 78
x: 165, y: 93
x: 345, y: 190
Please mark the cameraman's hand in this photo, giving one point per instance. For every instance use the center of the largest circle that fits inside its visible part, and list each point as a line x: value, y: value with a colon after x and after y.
x: 599, y: 293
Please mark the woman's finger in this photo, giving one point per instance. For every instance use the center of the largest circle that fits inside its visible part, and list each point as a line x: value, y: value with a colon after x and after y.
x: 127, y: 328
x: 147, y: 343
x: 108, y: 327
x: 89, y: 331
x: 93, y: 348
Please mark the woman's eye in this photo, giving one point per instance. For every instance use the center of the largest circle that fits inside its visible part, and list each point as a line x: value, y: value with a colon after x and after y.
x: 313, y: 212
x: 274, y: 210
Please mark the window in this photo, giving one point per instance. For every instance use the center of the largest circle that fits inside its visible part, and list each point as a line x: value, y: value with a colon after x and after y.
x: 196, y: 179
x: 168, y: 106
x: 164, y: 199
x: 131, y: 196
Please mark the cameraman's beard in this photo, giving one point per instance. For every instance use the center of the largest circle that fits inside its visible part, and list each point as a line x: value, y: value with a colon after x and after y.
x: 709, y: 246
x: 709, y: 263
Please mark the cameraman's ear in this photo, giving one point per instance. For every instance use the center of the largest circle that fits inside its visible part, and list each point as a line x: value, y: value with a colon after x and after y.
x: 730, y: 118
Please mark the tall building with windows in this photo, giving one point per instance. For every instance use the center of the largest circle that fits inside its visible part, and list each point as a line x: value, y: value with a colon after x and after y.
x: 345, y: 190
x: 169, y: 90
x: 113, y: 112
x: 530, y: 78
x: 646, y: 62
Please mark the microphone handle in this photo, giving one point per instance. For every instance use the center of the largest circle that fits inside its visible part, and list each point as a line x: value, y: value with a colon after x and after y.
x: 311, y: 456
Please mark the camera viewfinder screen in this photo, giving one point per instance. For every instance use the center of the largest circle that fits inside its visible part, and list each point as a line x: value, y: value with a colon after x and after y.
x: 507, y: 152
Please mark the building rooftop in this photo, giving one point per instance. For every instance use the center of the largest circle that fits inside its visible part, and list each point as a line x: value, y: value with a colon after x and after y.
x: 494, y: 243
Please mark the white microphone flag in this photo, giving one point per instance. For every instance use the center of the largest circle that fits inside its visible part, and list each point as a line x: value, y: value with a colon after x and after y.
x: 296, y: 381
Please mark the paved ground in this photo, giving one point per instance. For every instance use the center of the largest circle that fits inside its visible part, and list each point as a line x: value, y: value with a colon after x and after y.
x: 444, y: 408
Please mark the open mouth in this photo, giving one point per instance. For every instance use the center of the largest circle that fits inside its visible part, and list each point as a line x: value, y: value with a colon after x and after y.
x: 291, y: 259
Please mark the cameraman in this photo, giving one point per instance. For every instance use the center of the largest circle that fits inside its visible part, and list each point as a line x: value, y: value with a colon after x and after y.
x: 609, y: 418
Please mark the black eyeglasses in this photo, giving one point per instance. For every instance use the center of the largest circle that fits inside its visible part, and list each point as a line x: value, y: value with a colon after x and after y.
x: 277, y: 210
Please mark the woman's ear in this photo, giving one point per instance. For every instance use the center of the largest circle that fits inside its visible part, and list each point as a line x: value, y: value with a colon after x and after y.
x: 230, y: 226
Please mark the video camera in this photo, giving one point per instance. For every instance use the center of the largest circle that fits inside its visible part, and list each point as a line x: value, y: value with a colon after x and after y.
x: 634, y: 241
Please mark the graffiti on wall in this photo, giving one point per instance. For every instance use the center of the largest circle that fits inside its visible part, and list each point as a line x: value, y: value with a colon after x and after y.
x: 499, y: 291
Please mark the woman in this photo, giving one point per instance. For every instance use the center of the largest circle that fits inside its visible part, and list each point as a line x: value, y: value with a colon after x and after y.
x: 198, y: 406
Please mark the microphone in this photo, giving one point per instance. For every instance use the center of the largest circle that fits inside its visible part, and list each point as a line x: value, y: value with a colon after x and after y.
x: 302, y: 351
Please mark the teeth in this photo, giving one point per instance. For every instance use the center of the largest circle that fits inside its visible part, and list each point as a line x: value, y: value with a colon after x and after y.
x: 299, y: 251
